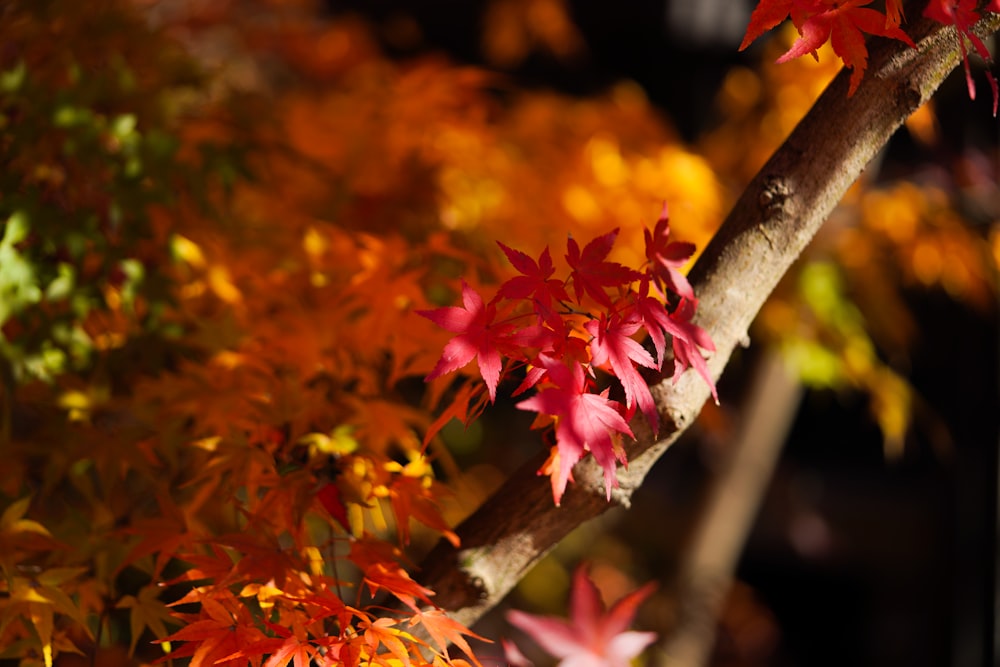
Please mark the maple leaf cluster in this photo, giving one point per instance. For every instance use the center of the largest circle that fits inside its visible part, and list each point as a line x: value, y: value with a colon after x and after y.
x: 300, y: 617
x: 844, y: 23
x: 242, y: 476
x: 303, y: 571
x: 560, y: 341
x: 247, y: 460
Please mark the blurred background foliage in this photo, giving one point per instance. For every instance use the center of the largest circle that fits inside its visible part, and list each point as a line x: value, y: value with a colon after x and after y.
x: 219, y: 217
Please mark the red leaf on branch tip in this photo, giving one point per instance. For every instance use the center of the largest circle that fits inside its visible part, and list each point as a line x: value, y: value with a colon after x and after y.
x: 478, y: 338
x: 819, y: 21
x: 843, y: 26
x: 591, y: 273
x: 535, y: 282
x: 585, y: 422
x: 963, y: 15
x: 532, y: 377
x: 667, y: 257
x: 592, y: 637
x: 613, y: 346
x: 569, y: 348
x: 686, y: 346
x: 767, y: 15
x: 657, y: 321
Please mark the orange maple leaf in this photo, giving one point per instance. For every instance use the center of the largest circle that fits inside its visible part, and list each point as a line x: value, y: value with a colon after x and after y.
x: 395, y: 580
x: 261, y: 558
x: 146, y: 610
x: 218, y: 634
x: 292, y: 650
x: 18, y: 534
x: 380, y: 631
x: 459, y: 408
x: 411, y: 498
x: 445, y: 630
x: 164, y: 535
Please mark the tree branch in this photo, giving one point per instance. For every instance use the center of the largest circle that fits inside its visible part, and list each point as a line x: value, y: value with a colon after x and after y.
x: 775, y: 218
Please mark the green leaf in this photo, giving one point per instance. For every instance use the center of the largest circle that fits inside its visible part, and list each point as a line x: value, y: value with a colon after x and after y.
x: 123, y: 125
x: 12, y: 79
x: 62, y: 285
x: 18, y: 279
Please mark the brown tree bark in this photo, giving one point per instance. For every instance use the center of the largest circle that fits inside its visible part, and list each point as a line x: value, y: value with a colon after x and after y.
x: 778, y: 214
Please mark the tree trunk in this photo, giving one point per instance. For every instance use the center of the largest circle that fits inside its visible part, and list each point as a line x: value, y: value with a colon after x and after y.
x: 775, y: 218
x: 734, y: 497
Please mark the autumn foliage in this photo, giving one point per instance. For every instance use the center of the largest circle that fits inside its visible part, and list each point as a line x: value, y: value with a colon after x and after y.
x: 224, y: 278
x: 561, y: 342
x: 844, y: 25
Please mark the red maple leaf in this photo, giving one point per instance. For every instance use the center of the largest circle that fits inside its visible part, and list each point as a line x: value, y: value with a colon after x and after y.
x: 894, y: 12
x: 767, y: 15
x: 591, y: 273
x: 592, y: 637
x: 667, y: 257
x: 536, y: 282
x: 686, y: 345
x: 820, y: 21
x: 328, y: 496
x: 585, y: 422
x: 963, y: 15
x: 479, y: 337
x: 569, y: 348
x: 656, y: 320
x: 613, y: 346
x: 323, y: 602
